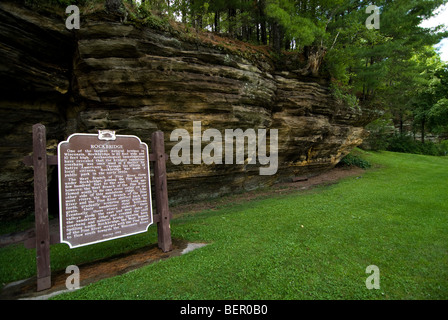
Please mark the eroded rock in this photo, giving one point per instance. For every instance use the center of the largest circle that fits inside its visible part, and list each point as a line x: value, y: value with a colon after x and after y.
x: 136, y: 80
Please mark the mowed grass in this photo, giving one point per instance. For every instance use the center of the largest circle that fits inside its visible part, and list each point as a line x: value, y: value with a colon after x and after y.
x: 307, y: 245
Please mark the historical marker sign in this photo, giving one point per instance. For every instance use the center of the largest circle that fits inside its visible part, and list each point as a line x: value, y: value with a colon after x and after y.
x: 104, y: 188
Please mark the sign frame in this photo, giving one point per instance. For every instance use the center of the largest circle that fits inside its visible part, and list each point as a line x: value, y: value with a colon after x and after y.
x: 42, y: 238
x: 106, y: 138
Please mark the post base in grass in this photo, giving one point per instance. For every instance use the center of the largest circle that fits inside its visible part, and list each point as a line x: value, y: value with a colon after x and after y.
x: 43, y: 283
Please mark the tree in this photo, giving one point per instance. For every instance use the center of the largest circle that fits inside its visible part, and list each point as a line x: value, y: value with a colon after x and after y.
x: 373, y: 64
x: 431, y: 103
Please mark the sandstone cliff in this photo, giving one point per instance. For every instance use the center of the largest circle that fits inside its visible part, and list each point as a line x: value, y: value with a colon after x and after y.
x: 136, y: 79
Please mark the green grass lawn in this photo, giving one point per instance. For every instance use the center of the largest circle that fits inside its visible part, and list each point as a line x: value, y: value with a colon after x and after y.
x: 307, y: 245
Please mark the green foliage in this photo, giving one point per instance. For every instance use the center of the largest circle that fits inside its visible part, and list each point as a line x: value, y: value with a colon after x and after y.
x: 352, y: 160
x: 444, y: 147
x: 343, y: 96
x: 304, y: 30
x: 438, y: 113
x: 407, y: 144
x: 383, y: 137
x: 379, y: 130
x: 429, y: 100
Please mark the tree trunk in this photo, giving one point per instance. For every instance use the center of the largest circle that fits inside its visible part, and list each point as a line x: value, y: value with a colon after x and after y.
x: 423, y: 130
x: 276, y: 37
x: 287, y: 44
x: 315, y: 56
x: 401, y: 124
x: 257, y: 27
x: 262, y: 18
x: 217, y: 21
x: 232, y: 17
x: 183, y: 10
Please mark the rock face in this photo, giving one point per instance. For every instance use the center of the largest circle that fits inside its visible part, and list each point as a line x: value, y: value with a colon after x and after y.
x: 136, y: 80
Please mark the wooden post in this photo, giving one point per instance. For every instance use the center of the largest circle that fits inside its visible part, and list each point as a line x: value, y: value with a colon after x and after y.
x: 41, y: 207
x: 39, y: 160
x: 161, y: 191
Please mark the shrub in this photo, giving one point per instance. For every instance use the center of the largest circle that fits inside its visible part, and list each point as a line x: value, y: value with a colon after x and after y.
x: 402, y: 143
x: 351, y: 160
x: 379, y: 130
x: 444, y: 147
x: 343, y: 96
x: 407, y: 144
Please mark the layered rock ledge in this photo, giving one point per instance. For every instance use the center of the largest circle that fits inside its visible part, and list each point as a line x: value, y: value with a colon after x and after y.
x: 136, y: 80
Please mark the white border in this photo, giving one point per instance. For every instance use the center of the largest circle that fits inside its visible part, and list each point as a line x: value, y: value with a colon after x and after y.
x: 60, y: 190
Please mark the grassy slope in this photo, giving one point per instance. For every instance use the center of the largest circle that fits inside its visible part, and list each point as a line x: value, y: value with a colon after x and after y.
x: 395, y: 217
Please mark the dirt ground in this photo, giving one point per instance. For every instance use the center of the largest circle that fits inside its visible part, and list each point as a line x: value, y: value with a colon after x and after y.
x: 327, y: 178
x: 117, y: 265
